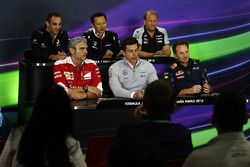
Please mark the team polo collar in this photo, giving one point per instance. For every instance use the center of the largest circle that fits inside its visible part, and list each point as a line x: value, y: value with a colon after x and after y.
x: 156, y: 30
x: 129, y: 64
x: 69, y: 61
x: 94, y: 31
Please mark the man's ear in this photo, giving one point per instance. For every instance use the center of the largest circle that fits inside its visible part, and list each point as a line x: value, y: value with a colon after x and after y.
x: 175, y: 55
x: 46, y: 23
x: 123, y: 53
x: 92, y: 25
x: 71, y: 51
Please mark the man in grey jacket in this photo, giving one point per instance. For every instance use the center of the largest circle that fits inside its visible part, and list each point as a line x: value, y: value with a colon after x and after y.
x: 129, y: 77
x: 230, y: 148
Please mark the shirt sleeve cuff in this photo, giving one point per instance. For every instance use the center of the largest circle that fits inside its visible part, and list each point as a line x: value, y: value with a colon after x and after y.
x: 132, y: 95
x: 62, y: 85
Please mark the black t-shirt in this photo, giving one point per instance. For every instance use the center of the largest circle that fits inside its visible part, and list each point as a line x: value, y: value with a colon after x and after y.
x: 43, y: 45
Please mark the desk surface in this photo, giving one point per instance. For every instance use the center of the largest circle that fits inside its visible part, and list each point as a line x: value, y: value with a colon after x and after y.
x: 84, y: 104
x: 126, y: 103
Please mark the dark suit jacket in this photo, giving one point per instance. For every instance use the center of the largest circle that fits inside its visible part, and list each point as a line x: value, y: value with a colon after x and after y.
x: 173, y: 139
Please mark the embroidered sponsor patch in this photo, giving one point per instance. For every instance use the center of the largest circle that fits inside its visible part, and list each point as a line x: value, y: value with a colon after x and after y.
x: 57, y: 42
x: 57, y: 76
x: 196, y: 68
x: 57, y: 72
x: 110, y: 74
x: 238, y: 153
x: 69, y: 75
x: 142, y: 70
x: 34, y: 41
x: 165, y: 77
x: 86, y: 76
x: 173, y: 66
x: 124, y: 72
x: 180, y: 77
x: 43, y: 45
x: 178, y: 73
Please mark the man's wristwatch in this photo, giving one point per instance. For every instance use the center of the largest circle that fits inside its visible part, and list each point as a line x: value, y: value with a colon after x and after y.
x: 85, y: 88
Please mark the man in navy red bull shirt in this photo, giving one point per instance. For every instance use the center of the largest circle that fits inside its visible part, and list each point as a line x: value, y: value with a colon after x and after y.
x: 188, y: 75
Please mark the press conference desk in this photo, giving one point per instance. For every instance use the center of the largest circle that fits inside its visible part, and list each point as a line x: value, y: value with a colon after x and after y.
x: 126, y: 103
x: 95, y: 117
x: 91, y: 120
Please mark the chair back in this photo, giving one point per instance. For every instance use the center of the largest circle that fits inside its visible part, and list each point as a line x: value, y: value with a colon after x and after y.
x: 97, y: 150
x: 28, y: 56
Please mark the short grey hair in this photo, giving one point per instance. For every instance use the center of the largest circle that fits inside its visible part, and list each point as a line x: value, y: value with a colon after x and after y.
x: 150, y: 12
x: 76, y: 40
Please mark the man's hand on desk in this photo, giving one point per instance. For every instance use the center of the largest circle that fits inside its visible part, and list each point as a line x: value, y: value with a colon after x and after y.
x: 207, y: 88
x: 138, y: 94
x: 95, y: 91
x: 193, y: 90
x: 77, y: 93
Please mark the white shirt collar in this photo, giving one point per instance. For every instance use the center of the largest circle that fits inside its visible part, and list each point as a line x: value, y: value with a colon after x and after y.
x: 69, y: 60
x: 130, y: 65
x: 94, y: 31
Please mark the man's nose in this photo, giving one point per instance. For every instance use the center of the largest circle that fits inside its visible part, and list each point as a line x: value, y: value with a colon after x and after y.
x: 134, y: 53
x: 58, y: 26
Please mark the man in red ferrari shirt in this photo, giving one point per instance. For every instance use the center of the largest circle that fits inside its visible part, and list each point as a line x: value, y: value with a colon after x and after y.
x: 79, y: 76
